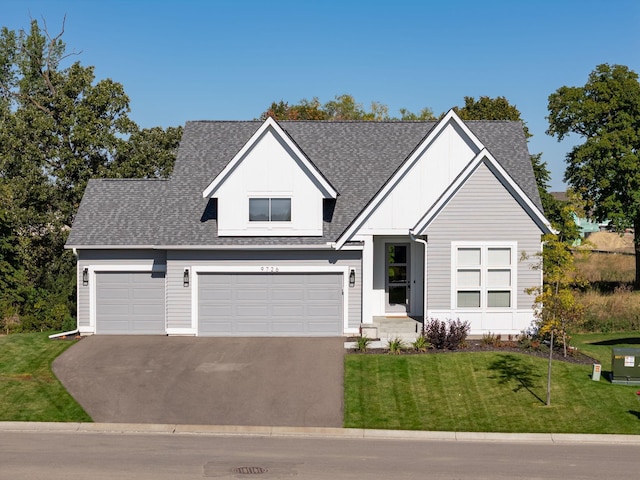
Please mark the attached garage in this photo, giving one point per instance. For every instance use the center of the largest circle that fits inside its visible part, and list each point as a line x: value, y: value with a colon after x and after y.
x: 270, y: 304
x: 130, y: 303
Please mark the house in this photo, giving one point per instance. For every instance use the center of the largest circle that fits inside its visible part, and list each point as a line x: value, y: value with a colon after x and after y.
x: 301, y: 228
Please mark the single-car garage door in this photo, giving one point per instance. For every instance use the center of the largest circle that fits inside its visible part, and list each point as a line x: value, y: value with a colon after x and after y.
x: 130, y: 303
x: 270, y: 304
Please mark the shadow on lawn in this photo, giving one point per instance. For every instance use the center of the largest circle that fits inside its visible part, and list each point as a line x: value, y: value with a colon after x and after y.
x: 619, y: 341
x: 633, y: 412
x: 511, y: 368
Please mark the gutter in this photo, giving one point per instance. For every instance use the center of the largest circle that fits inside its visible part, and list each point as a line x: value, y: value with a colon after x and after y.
x: 424, y: 277
x: 200, y: 247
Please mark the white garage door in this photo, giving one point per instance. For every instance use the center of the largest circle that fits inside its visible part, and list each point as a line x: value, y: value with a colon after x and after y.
x: 130, y: 303
x: 279, y: 304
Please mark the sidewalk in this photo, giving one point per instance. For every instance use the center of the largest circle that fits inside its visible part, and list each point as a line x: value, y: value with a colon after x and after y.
x: 317, y: 432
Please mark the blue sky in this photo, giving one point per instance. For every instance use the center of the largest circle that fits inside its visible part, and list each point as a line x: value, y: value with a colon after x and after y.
x: 228, y: 60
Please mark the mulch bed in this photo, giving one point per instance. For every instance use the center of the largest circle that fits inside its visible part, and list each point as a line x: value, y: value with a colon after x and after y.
x: 573, y: 356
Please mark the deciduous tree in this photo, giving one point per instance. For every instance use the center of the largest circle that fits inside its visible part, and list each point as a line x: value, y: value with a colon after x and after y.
x: 59, y: 127
x: 605, y: 168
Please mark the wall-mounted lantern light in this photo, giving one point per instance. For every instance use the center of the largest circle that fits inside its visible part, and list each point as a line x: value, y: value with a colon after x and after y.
x: 185, y: 278
x: 85, y: 277
x: 352, y: 278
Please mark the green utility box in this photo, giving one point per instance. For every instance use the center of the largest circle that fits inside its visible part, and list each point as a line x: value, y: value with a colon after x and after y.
x: 625, y: 366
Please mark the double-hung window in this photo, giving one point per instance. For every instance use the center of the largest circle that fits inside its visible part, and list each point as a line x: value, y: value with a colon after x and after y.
x: 483, y: 276
x: 269, y: 209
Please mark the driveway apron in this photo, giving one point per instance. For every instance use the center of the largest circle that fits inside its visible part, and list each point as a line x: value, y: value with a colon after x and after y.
x: 207, y: 381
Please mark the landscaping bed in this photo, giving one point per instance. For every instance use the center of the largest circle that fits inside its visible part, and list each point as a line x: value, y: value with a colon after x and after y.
x: 573, y: 355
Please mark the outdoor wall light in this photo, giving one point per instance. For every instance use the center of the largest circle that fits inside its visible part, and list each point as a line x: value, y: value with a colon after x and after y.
x: 185, y: 278
x: 85, y: 277
x: 352, y: 278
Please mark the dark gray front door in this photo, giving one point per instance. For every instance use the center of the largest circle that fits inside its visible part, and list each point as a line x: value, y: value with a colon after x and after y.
x: 270, y: 304
x: 130, y: 303
x: 398, y: 277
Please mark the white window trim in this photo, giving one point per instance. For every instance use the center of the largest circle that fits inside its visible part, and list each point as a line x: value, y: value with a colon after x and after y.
x: 484, y: 246
x: 270, y: 223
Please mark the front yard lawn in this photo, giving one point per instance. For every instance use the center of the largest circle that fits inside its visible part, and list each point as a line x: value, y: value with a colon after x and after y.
x: 483, y: 392
x: 29, y: 391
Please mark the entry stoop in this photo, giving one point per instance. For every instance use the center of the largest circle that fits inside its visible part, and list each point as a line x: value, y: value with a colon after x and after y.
x: 406, y: 329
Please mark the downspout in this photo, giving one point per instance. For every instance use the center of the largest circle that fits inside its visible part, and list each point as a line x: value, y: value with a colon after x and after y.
x: 70, y: 332
x: 64, y: 334
x: 424, y: 277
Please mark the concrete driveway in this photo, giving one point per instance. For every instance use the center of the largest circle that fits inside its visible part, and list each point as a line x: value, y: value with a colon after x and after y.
x: 207, y: 381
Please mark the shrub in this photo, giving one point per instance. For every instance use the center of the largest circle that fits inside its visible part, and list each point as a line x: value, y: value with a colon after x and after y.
x: 458, y: 331
x: 491, y: 339
x: 420, y: 344
x: 527, y: 341
x: 395, y: 346
x: 363, y: 343
x: 449, y: 335
x: 436, y: 333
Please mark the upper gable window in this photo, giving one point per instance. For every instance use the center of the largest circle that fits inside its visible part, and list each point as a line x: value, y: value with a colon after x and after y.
x: 269, y: 209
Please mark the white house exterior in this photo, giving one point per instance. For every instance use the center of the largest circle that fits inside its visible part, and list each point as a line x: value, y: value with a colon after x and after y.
x: 315, y: 229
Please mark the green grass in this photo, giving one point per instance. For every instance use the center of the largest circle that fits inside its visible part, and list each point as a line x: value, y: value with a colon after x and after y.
x: 483, y: 392
x: 599, y: 345
x: 29, y: 391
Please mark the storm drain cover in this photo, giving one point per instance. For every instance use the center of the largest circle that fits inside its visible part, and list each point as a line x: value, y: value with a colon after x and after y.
x: 239, y: 469
x: 249, y: 470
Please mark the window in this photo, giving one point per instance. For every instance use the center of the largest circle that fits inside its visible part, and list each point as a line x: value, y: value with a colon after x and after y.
x: 269, y: 209
x: 484, y: 276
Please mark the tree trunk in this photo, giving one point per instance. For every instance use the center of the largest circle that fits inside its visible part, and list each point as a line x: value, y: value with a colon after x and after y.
x: 636, y: 244
x: 549, y: 371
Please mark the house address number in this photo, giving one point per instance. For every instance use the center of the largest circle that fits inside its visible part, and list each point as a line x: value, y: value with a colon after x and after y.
x: 270, y: 269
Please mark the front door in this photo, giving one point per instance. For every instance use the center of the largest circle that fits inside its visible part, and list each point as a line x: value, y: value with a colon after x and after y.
x: 398, y: 279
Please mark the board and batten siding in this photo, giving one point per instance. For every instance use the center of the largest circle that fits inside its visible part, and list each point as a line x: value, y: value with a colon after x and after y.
x: 95, y: 258
x: 420, y: 187
x: 482, y: 210
x: 179, y: 296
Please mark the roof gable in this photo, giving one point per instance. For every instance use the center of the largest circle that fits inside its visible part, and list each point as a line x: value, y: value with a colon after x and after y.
x: 271, y: 127
x: 483, y: 157
x: 465, y: 143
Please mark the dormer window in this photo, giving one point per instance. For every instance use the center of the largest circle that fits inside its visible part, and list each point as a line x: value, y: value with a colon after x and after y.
x: 269, y: 209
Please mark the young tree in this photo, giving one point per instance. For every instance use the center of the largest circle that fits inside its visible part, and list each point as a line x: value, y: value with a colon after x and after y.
x: 556, y: 307
x: 605, y: 168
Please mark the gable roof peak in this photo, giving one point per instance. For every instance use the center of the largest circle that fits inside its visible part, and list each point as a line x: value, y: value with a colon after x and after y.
x: 270, y: 124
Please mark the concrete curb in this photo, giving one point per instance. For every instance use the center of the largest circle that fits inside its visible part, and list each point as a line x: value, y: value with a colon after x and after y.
x: 315, y: 432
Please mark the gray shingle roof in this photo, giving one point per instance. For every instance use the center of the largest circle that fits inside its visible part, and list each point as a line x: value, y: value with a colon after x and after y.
x: 357, y: 158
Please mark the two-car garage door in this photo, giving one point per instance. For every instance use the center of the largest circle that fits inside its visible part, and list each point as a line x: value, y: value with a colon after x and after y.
x: 265, y: 304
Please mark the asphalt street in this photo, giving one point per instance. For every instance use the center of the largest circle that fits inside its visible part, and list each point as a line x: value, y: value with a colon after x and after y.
x: 145, y: 456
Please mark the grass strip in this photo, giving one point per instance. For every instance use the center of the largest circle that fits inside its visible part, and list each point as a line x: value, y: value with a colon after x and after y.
x: 29, y: 391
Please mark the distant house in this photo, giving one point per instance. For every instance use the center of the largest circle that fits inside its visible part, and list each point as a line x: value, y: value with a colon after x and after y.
x: 315, y: 229
x: 585, y: 226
